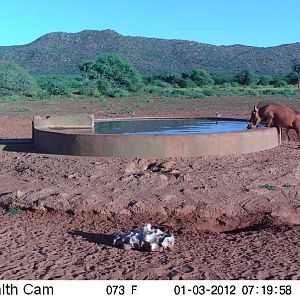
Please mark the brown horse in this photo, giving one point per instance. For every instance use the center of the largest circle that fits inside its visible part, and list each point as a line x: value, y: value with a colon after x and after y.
x: 276, y: 116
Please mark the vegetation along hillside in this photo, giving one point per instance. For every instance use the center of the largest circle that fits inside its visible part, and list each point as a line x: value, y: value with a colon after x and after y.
x: 59, y: 52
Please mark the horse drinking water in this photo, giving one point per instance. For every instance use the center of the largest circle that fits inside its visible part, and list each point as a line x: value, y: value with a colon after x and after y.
x: 276, y: 116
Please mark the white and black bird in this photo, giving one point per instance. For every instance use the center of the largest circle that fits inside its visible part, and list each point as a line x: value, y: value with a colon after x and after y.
x: 218, y: 115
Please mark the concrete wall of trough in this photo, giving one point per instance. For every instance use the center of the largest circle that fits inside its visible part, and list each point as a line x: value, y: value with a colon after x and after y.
x: 69, y: 121
x: 50, y: 140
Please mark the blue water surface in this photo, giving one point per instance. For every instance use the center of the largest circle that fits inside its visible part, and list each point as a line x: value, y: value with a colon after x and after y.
x: 168, y: 126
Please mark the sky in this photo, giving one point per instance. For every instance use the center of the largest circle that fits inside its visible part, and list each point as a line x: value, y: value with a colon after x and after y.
x: 220, y: 22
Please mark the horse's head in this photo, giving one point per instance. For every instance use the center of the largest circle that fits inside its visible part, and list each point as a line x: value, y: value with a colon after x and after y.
x: 254, y: 119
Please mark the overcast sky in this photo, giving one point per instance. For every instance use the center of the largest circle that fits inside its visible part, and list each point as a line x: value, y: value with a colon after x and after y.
x: 220, y: 22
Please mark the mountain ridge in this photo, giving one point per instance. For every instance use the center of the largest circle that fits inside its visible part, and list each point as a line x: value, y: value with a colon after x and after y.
x: 61, y: 52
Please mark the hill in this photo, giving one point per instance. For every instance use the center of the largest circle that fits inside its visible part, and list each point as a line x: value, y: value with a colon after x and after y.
x: 61, y: 52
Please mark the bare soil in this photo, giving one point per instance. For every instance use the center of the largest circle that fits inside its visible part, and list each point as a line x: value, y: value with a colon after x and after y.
x: 234, y: 217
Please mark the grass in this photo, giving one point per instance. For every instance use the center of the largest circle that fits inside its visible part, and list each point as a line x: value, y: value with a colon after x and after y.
x: 20, y: 109
x: 287, y: 185
x: 289, y: 91
x: 13, y: 211
x: 268, y: 187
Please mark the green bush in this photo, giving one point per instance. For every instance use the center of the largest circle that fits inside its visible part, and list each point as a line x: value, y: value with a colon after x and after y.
x: 88, y: 88
x: 252, y: 93
x: 55, y: 86
x: 187, y: 83
x: 161, y: 83
x: 172, y: 79
x: 117, y: 92
x: 211, y: 92
x: 194, y: 94
x: 292, y: 78
x: 246, y: 77
x: 226, y: 84
x: 14, y: 79
x: 264, y: 80
x: 113, y: 75
x: 221, y: 79
x: 296, y: 68
x: 199, y: 76
x: 153, y: 90
x: 268, y: 92
x: 279, y: 83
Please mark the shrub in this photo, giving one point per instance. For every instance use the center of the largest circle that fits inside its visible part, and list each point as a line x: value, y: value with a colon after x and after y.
x: 279, y: 83
x: 89, y: 88
x: 117, y: 93
x: 296, y: 68
x: 14, y: 79
x: 292, y: 78
x: 246, y: 77
x: 112, y: 72
x: 221, y: 79
x: 264, y: 80
x: 226, y: 84
x: 153, y: 90
x: 155, y: 82
x: 268, y: 92
x: 187, y: 83
x: 211, y: 92
x: 172, y: 79
x: 199, y: 76
x: 56, y: 86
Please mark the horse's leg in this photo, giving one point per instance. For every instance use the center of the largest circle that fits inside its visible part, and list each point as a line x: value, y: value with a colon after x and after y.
x: 298, y: 133
x: 287, y: 132
x: 270, y: 122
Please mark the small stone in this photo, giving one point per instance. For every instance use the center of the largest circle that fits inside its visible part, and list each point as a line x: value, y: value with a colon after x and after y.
x: 145, y: 164
x: 167, y: 166
x: 187, y: 177
x: 20, y: 194
x: 147, y: 175
x: 131, y: 168
x: 127, y: 178
x: 170, y: 198
x: 127, y: 246
x: 154, y: 247
x: 168, y: 242
x: 175, y: 172
x: 150, y: 238
x: 71, y: 176
x: 163, y: 177
x: 186, y: 209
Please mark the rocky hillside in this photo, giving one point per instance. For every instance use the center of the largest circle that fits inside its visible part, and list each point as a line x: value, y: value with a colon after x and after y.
x: 61, y: 52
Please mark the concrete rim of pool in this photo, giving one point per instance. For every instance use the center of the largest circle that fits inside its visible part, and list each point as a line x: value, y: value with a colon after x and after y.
x: 61, y: 135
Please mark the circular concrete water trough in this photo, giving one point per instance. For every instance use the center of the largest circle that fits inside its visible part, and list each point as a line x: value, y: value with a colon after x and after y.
x: 76, y: 135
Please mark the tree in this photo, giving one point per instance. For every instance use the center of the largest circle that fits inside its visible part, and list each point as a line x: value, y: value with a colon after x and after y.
x: 264, y: 80
x: 55, y: 85
x: 173, y: 79
x: 296, y: 68
x: 14, y: 79
x: 222, y: 78
x: 199, y: 76
x: 246, y: 77
x: 113, y: 74
x: 292, y: 78
x: 187, y: 83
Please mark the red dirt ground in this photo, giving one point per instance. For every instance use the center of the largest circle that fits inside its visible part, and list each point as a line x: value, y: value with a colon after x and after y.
x: 225, y: 224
